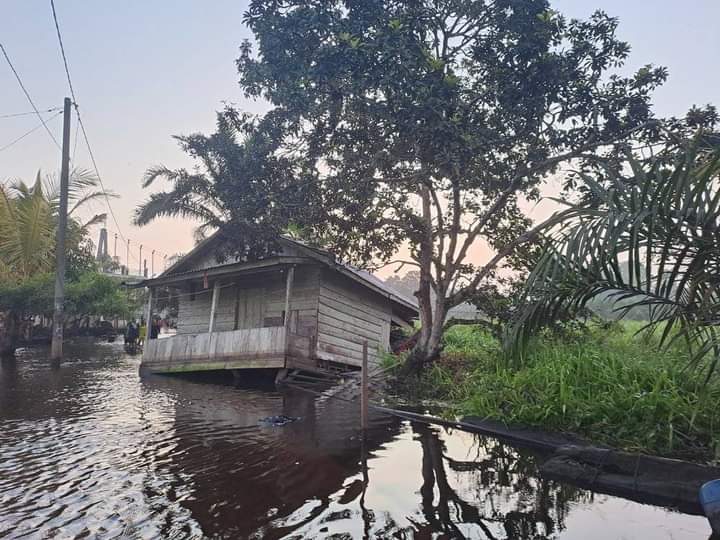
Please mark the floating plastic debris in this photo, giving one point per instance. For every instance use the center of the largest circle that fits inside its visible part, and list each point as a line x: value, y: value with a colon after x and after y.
x: 279, y: 420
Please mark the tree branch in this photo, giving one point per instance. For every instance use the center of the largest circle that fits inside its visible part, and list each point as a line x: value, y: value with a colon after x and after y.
x: 467, y: 291
x: 538, y: 168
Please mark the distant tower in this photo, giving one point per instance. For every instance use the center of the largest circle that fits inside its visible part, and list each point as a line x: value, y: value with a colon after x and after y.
x: 102, y: 248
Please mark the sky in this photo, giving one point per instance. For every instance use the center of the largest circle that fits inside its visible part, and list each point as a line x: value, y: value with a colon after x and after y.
x: 145, y: 70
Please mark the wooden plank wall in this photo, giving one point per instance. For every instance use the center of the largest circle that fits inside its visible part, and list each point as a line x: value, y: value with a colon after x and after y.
x: 333, y: 312
x: 194, y: 315
x: 303, y: 303
x: 255, y: 302
x: 349, y: 314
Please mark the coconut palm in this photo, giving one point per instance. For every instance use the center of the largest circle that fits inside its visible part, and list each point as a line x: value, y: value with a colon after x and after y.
x: 26, y: 229
x: 648, y: 238
x: 28, y: 220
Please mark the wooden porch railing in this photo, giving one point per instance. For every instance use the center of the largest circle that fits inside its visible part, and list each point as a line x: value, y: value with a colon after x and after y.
x: 246, y: 348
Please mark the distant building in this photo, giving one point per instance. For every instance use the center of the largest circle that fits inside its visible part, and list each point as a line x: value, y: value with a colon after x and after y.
x: 465, y: 312
x: 408, y: 283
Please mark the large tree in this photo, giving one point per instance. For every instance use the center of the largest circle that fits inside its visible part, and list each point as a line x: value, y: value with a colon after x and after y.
x: 426, y: 122
x: 419, y: 125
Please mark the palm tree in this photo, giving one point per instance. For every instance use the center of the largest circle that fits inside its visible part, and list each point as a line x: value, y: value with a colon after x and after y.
x: 191, y: 197
x: 28, y: 223
x: 26, y: 230
x: 193, y: 194
x: 242, y: 183
x: 28, y: 220
x: 649, y: 239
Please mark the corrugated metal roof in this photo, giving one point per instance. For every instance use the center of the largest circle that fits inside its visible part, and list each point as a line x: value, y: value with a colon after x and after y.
x: 362, y: 275
x: 316, y: 253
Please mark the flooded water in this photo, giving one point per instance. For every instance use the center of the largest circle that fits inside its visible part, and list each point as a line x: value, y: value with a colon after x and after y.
x: 90, y: 450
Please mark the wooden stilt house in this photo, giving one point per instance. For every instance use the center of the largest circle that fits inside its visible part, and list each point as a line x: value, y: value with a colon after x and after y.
x: 297, y: 309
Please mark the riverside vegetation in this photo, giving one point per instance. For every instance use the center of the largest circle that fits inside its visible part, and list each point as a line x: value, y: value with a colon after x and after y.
x: 600, y: 381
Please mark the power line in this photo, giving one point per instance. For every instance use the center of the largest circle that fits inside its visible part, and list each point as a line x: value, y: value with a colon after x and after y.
x: 27, y: 95
x: 159, y: 254
x: 97, y: 172
x: 28, y: 113
x: 21, y: 137
x: 82, y: 128
x: 77, y: 129
x: 62, y: 51
x: 79, y: 118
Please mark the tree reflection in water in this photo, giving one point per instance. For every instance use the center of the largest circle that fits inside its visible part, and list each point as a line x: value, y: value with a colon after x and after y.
x: 469, y: 487
x: 498, y: 496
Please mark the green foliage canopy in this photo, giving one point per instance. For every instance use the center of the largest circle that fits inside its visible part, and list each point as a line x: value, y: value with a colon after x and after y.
x: 409, y: 124
x: 28, y: 223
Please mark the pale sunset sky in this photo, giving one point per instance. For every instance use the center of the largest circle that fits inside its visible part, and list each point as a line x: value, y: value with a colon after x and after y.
x: 146, y: 70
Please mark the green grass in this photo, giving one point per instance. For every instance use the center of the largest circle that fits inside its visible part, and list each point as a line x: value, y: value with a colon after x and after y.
x: 605, y: 384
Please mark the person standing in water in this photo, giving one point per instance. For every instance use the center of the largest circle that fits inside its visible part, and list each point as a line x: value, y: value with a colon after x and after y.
x: 142, y: 334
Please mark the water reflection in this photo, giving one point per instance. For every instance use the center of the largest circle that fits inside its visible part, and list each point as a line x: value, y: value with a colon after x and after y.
x: 90, y: 450
x: 507, y: 492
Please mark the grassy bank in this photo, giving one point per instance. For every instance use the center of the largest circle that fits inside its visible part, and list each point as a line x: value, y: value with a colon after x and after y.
x: 602, y: 383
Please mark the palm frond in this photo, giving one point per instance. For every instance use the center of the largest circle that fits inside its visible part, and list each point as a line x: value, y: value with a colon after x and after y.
x: 89, y: 197
x: 28, y: 243
x: 172, y: 204
x: 97, y: 219
x: 648, y: 240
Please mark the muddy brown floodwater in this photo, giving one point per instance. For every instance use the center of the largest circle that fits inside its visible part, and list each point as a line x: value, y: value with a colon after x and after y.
x: 90, y: 450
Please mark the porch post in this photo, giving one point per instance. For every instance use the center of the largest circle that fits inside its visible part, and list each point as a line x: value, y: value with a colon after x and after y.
x: 148, y: 314
x: 148, y: 307
x: 213, y: 305
x: 288, y: 293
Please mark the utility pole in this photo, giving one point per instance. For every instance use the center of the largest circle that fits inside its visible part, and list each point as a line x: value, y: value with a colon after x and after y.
x: 152, y: 264
x: 56, y: 350
x: 127, y: 257
x: 140, y: 261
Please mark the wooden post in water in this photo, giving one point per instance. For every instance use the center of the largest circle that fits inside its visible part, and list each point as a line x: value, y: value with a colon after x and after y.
x: 364, y: 390
x: 148, y: 307
x: 367, y: 516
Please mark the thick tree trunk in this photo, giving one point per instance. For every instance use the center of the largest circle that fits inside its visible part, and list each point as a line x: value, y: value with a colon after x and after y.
x: 428, y: 346
x: 432, y: 317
